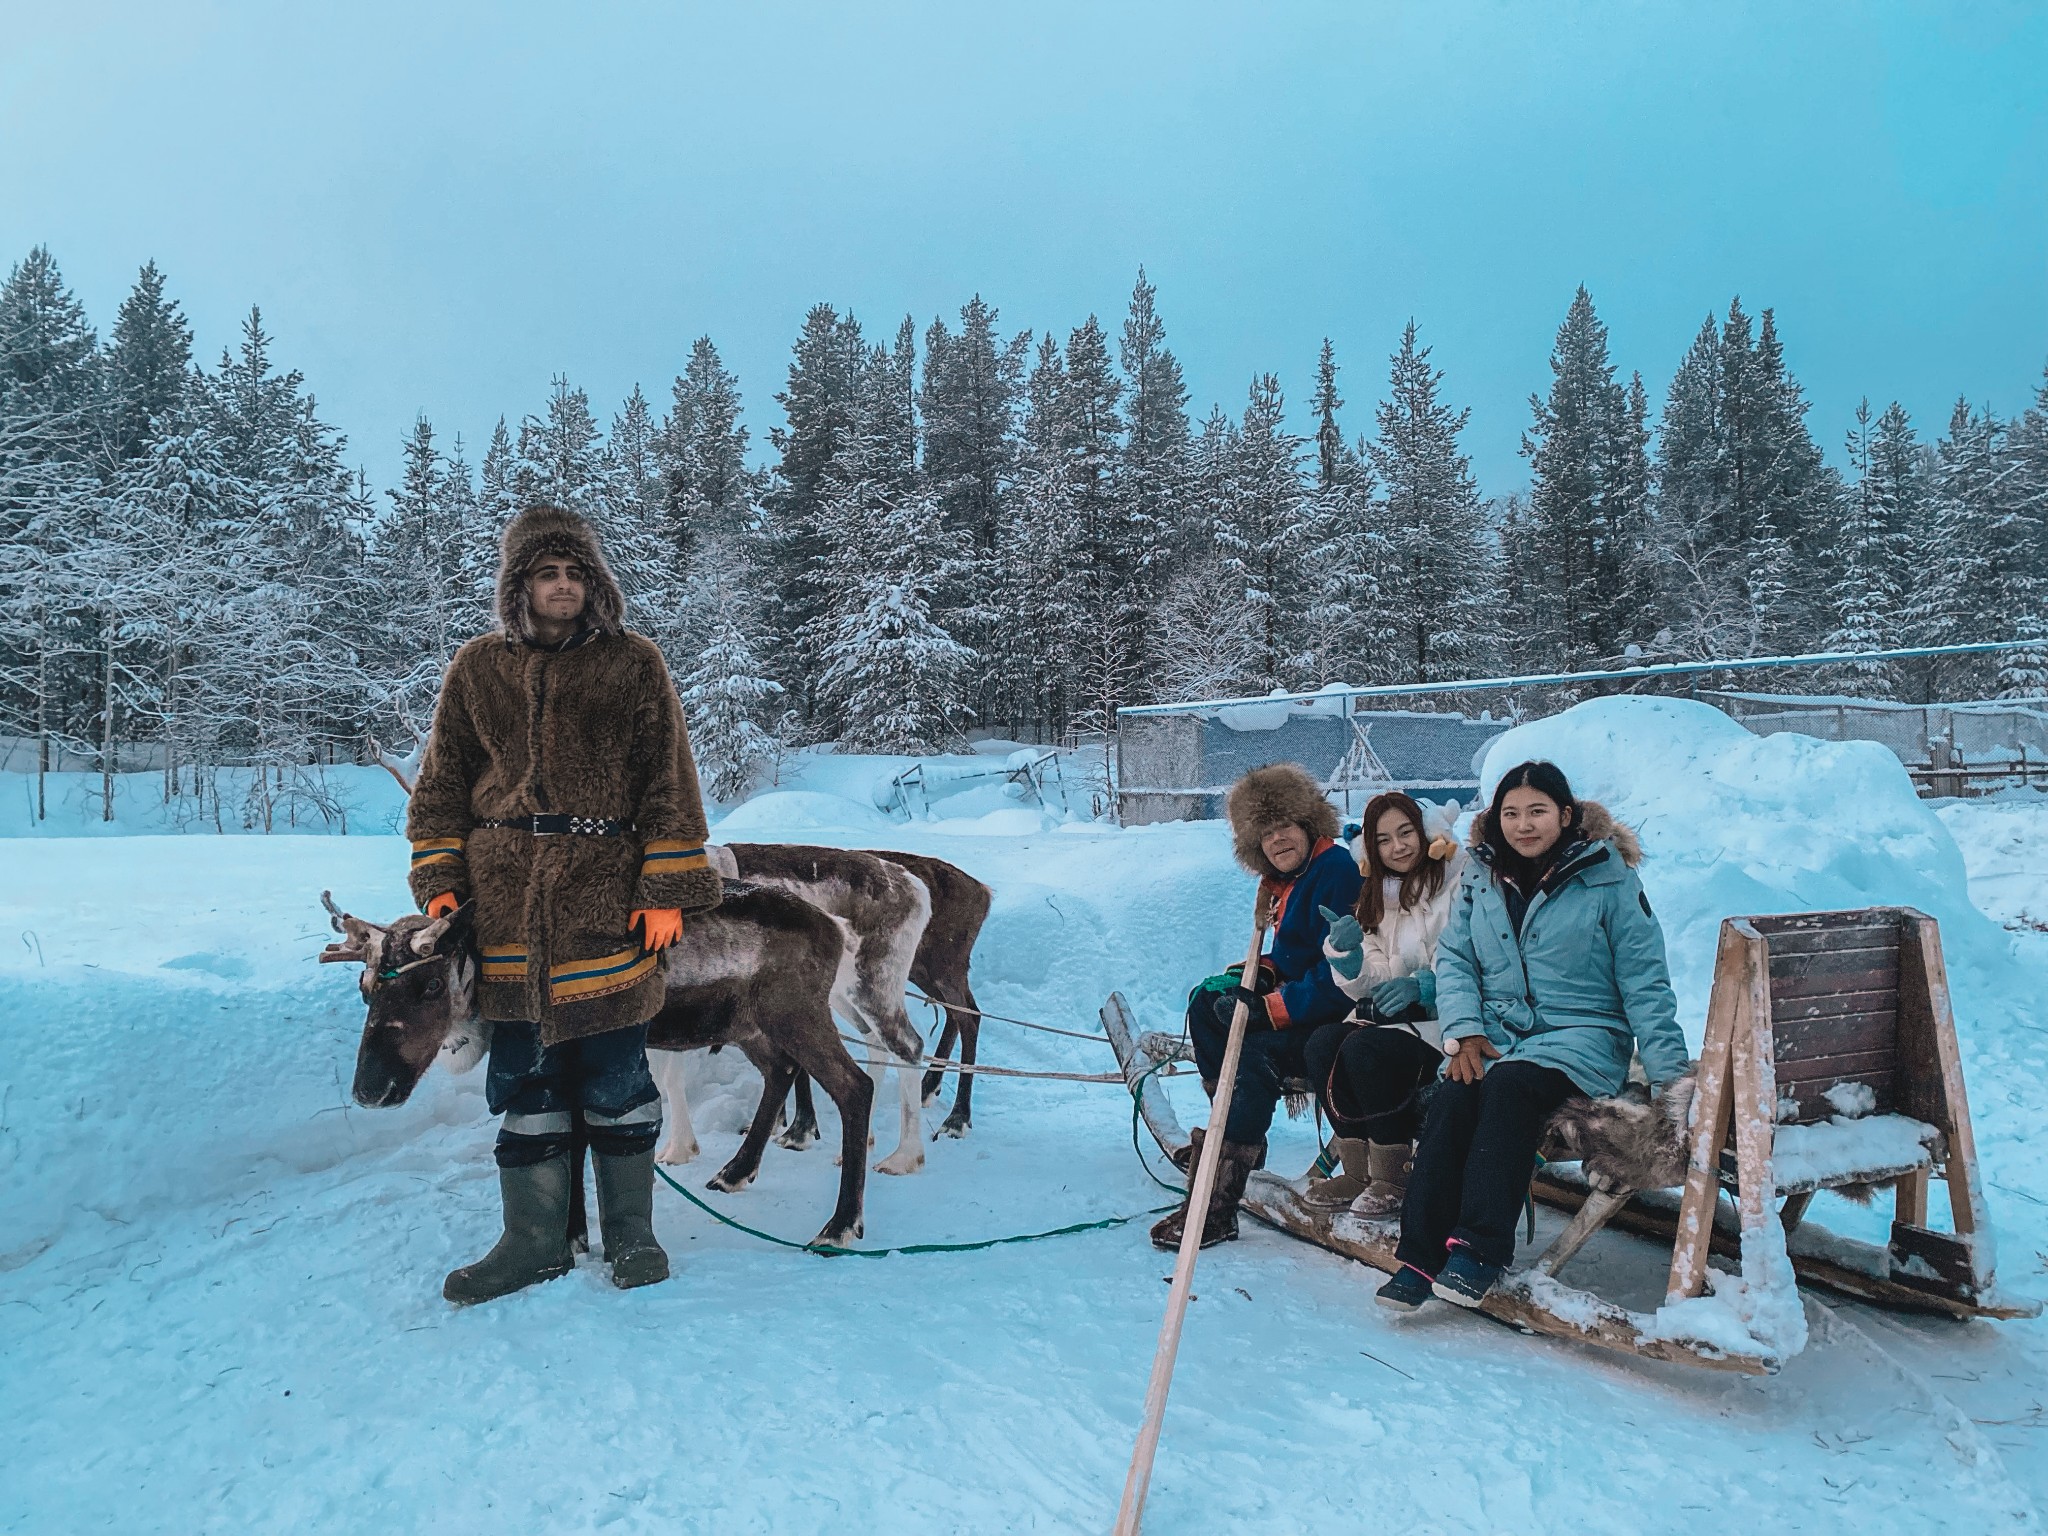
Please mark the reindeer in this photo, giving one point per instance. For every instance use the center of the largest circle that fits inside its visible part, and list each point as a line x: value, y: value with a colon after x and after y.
x: 866, y: 889
x: 960, y: 906
x: 885, y: 910
x: 762, y: 971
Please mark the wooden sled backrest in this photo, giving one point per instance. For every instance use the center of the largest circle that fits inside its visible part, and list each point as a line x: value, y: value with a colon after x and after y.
x: 1854, y: 1000
x: 1834, y: 1007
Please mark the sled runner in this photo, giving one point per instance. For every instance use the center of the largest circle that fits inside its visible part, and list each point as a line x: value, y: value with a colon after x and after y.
x: 1532, y: 1299
x: 1831, y: 1048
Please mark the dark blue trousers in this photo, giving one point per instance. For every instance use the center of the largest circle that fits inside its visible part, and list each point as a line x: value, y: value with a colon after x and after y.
x: 541, y: 1089
x: 1269, y: 1055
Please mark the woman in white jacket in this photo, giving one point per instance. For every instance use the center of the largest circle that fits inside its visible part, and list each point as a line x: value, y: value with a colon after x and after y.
x: 1369, y: 1070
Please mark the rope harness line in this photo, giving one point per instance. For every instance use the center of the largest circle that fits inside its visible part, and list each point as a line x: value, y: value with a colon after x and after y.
x: 1071, y: 1034
x: 827, y: 1250
x: 946, y: 1064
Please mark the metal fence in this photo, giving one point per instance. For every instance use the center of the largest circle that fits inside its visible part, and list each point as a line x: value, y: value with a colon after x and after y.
x: 1950, y: 749
x: 1179, y: 766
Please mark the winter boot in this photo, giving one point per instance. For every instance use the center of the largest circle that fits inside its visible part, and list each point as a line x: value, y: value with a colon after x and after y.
x: 1183, y: 1158
x: 1408, y: 1289
x: 1339, y: 1190
x: 625, y: 1212
x: 535, y: 1245
x: 1387, y: 1181
x: 1466, y: 1279
x: 1219, y: 1224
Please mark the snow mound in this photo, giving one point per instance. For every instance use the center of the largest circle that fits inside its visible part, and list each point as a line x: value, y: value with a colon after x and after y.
x: 789, y: 810
x: 1734, y: 824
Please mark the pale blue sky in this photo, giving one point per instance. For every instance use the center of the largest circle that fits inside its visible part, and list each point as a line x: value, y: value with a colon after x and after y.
x: 439, y: 206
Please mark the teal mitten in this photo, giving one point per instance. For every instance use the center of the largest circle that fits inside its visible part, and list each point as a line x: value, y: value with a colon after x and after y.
x: 1346, y: 946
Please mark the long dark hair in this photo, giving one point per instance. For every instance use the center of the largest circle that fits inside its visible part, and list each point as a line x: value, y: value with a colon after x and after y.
x: 1546, y: 779
x: 1418, y: 885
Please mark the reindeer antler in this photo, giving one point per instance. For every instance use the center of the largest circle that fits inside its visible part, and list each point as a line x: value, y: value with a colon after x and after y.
x: 334, y: 913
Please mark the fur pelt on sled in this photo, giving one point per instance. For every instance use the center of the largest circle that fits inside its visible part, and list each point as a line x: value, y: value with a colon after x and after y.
x: 1630, y: 1141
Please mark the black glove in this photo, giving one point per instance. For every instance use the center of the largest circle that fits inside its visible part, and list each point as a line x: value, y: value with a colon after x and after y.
x: 1226, y: 1008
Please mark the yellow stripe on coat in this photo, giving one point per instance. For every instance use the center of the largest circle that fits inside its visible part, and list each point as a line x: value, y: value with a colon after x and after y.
x: 504, y: 962
x: 667, y: 855
x: 581, y: 979
x: 437, y: 850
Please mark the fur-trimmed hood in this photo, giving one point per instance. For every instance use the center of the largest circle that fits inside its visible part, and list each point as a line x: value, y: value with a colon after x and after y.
x: 544, y: 530
x: 1595, y: 824
x: 1277, y: 795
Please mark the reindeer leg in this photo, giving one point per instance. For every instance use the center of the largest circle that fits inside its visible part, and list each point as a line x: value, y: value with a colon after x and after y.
x: 848, y: 1088
x: 681, y: 1143
x: 803, y: 1129
x: 962, y: 1116
x: 947, y: 1036
x: 579, y: 1216
x: 739, y: 1173
x: 909, y: 1154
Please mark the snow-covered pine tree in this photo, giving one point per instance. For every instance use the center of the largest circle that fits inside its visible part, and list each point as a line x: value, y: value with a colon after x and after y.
x: 497, y: 501
x: 1264, y: 537
x: 894, y: 677
x: 2023, y: 674
x: 728, y: 698
x: 1032, y: 657
x: 817, y: 403
x: 1153, y: 464
x: 1579, y: 449
x: 147, y: 363
x: 1438, y: 582
x: 1107, y: 548
x: 1958, y: 591
x: 1868, y: 597
x: 702, y: 451
x: 1342, y: 629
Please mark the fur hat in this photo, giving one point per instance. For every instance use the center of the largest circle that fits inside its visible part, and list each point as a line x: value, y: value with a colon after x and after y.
x: 1595, y: 822
x: 542, y: 531
x: 1277, y: 795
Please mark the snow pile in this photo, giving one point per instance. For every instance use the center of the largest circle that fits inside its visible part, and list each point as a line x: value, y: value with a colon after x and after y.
x: 1756, y: 1312
x: 1734, y: 824
x: 2004, y: 841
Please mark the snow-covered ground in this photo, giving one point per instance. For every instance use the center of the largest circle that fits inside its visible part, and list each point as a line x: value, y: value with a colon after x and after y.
x: 219, y: 1280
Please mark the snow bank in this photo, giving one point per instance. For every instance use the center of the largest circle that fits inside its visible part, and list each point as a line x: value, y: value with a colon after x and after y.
x: 1734, y: 824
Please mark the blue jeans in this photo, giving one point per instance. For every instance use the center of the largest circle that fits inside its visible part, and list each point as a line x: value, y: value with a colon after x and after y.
x: 540, y: 1089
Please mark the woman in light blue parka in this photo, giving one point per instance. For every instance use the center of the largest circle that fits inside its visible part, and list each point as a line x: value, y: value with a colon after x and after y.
x: 1550, y: 976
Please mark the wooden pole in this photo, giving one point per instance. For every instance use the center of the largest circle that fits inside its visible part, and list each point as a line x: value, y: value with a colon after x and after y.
x: 1132, y: 1510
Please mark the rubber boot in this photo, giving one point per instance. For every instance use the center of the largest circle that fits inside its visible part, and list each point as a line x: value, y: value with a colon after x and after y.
x: 1386, y: 1165
x: 625, y: 1213
x: 1339, y: 1190
x: 535, y: 1244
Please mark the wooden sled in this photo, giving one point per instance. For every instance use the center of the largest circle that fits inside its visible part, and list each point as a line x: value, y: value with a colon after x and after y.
x: 1532, y: 1299
x: 1831, y: 1056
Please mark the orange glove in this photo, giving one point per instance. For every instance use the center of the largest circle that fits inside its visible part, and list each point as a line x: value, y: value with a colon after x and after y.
x: 440, y: 906
x: 660, y: 926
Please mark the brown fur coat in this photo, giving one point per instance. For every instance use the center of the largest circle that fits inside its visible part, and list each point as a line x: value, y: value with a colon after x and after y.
x: 592, y: 728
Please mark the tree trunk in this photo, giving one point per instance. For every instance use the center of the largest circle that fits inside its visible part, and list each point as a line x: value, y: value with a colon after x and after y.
x: 107, y: 719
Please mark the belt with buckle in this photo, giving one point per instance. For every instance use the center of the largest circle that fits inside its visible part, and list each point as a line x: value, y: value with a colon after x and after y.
x: 560, y: 824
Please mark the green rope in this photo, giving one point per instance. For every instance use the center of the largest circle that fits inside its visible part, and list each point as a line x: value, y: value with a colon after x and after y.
x: 829, y: 1251
x: 1137, y: 1108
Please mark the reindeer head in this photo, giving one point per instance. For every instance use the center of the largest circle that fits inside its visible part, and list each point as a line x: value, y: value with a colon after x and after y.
x: 419, y: 979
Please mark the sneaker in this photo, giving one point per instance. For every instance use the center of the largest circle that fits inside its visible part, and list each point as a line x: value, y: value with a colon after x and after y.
x: 1465, y: 1280
x: 1406, y: 1289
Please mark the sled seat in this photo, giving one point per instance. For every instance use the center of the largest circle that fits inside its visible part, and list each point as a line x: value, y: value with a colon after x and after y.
x: 1830, y: 1062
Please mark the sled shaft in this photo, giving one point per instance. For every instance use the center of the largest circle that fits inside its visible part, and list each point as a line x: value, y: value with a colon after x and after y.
x: 1132, y: 1510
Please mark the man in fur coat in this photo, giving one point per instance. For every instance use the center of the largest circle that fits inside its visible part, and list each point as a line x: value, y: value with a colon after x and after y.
x: 1284, y: 831
x: 559, y: 796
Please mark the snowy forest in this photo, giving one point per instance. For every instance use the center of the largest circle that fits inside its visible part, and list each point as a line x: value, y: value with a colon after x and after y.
x: 966, y: 529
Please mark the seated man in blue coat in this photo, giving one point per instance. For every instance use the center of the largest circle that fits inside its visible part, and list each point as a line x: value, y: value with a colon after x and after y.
x: 1284, y: 831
